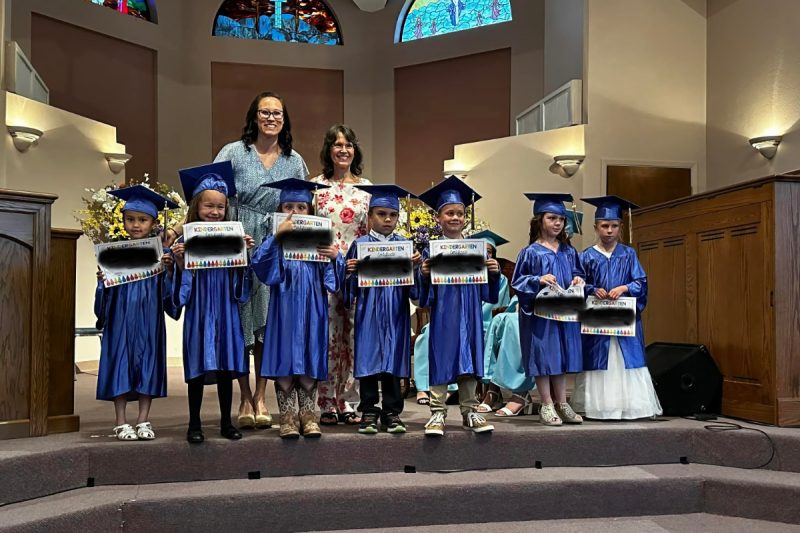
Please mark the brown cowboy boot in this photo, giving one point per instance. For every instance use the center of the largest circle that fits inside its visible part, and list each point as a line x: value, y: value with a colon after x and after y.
x: 308, y: 418
x: 288, y: 427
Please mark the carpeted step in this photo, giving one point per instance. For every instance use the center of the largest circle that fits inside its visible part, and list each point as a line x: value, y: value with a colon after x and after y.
x: 304, y: 503
x: 685, y: 523
x: 31, y: 468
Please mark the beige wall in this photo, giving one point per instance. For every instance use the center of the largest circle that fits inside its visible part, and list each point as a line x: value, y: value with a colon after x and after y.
x: 563, y: 42
x: 501, y: 170
x: 645, y: 102
x: 185, y: 51
x: 645, y: 86
x: 753, y: 87
x: 81, y: 142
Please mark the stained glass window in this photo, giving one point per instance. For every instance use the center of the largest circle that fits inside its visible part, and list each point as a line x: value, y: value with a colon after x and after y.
x: 294, y: 21
x: 427, y: 18
x: 136, y: 8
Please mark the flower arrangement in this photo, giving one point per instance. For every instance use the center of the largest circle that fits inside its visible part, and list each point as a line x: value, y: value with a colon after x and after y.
x: 101, y: 219
x: 417, y: 222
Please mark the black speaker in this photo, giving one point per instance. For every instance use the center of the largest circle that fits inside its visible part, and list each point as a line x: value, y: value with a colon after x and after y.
x: 685, y: 377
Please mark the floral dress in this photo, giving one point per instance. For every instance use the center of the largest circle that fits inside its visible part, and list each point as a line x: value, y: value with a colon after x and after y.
x: 347, y: 208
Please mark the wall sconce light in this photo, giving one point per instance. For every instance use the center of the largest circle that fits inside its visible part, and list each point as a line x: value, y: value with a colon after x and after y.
x: 457, y: 173
x: 116, y: 162
x: 24, y: 137
x: 766, y: 146
x: 568, y: 164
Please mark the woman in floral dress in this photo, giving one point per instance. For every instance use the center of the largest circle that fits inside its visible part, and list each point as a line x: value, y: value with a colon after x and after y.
x: 347, y: 208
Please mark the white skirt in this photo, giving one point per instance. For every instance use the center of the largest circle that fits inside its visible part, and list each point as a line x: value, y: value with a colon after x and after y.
x: 617, y: 393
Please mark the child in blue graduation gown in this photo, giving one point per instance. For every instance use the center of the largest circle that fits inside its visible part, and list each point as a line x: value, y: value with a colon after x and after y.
x: 382, y: 330
x: 455, y: 344
x: 616, y: 383
x: 133, y: 357
x: 296, y: 336
x: 213, y: 339
x: 550, y: 349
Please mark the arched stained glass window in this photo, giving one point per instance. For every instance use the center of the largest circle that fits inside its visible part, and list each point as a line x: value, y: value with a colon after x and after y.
x: 294, y: 21
x: 142, y: 9
x: 427, y: 18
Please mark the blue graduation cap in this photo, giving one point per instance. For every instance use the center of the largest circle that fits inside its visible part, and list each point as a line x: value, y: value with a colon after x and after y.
x: 385, y: 195
x: 450, y: 191
x: 212, y: 177
x: 295, y: 190
x: 574, y: 223
x: 140, y: 198
x: 609, y: 207
x: 549, y: 202
x: 489, y: 236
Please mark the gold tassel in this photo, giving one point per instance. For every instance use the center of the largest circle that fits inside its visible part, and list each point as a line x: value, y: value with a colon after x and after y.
x: 408, y: 213
x: 630, y: 226
x: 472, y: 214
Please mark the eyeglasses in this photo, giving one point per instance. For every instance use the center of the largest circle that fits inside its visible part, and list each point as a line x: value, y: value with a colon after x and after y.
x: 345, y: 146
x: 266, y: 113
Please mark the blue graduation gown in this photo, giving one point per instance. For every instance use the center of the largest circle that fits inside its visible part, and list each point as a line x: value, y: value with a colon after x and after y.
x: 623, y: 268
x: 296, y: 335
x: 133, y: 353
x: 455, y: 342
x: 213, y: 339
x: 382, y: 322
x: 548, y: 347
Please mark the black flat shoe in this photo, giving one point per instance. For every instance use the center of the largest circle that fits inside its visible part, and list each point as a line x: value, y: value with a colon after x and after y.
x: 230, y: 433
x: 195, y: 436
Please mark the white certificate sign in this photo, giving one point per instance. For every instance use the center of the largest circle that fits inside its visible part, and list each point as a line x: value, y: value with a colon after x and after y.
x: 309, y: 232
x: 127, y: 261
x: 385, y: 264
x: 214, y: 245
x: 616, y: 318
x: 562, y: 305
x: 458, y: 262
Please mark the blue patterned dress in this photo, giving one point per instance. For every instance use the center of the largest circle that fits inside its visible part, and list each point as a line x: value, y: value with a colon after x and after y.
x: 255, y: 204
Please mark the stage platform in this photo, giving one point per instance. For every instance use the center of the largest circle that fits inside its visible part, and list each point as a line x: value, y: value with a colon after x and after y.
x: 523, y: 472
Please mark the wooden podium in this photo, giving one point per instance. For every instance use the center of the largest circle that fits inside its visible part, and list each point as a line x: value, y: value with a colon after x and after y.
x: 37, y: 318
x: 723, y: 269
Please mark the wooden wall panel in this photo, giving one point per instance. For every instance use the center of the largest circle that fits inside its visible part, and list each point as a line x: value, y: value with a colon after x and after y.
x: 314, y: 97
x: 739, y: 288
x: 15, y: 312
x: 665, y: 264
x: 734, y: 309
x: 102, y: 78
x: 445, y: 103
x: 61, y: 319
x: 785, y: 223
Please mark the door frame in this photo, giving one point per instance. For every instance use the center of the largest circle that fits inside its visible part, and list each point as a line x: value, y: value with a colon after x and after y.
x: 691, y: 165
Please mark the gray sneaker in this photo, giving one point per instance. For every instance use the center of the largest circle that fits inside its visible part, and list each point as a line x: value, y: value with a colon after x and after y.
x: 476, y: 423
x: 435, y: 425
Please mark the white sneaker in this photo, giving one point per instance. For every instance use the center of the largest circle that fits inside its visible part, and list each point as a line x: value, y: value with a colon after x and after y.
x: 476, y: 423
x: 435, y: 425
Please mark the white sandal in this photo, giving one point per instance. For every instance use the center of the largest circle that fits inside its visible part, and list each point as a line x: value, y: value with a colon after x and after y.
x: 125, y: 432
x: 145, y: 431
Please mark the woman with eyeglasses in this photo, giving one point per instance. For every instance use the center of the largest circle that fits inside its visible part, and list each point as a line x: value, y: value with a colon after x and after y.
x: 263, y: 155
x: 347, y: 207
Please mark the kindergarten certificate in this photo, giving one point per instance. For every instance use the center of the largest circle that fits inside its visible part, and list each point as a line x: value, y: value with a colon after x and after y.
x: 609, y: 317
x: 458, y: 262
x: 562, y: 305
x: 309, y: 232
x: 214, y: 245
x: 385, y: 264
x: 127, y: 261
